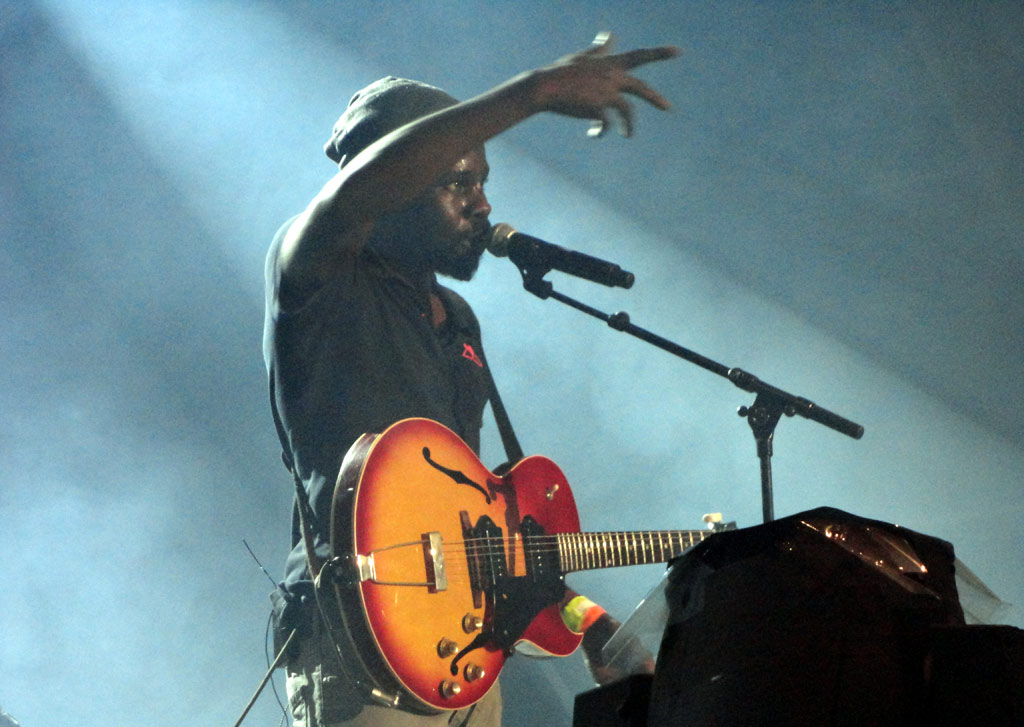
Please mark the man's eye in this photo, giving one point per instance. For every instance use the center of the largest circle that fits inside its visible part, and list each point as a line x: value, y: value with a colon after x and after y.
x: 462, y: 185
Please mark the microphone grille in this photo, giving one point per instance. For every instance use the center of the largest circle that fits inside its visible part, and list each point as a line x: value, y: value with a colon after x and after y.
x: 498, y: 244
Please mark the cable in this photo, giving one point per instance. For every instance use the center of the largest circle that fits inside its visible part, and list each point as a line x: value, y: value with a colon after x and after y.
x: 266, y: 677
x: 266, y: 652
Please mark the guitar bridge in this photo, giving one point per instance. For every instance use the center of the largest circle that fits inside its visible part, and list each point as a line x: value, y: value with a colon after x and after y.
x: 433, y: 555
x: 435, y: 563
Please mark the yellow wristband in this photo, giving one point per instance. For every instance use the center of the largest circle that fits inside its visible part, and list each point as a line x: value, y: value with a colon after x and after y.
x: 580, y: 613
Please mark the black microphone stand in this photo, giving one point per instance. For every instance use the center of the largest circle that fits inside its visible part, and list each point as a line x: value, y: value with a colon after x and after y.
x: 770, y: 402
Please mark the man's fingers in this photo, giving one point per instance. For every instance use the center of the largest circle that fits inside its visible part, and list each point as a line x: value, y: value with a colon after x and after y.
x: 625, y: 109
x: 640, y: 89
x: 640, y: 56
x: 600, y: 125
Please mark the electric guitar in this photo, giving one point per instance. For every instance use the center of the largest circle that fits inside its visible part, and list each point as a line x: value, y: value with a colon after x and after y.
x: 440, y: 566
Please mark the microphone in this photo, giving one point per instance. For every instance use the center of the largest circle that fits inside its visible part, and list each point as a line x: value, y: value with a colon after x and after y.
x: 526, y: 252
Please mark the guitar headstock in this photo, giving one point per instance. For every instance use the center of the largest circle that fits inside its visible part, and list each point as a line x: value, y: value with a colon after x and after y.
x: 714, y: 522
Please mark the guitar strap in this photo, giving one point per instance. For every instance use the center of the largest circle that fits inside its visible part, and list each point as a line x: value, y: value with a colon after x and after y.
x: 508, y: 436
x: 509, y: 441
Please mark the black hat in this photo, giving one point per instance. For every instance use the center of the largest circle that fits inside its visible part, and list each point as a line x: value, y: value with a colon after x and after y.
x: 379, y: 109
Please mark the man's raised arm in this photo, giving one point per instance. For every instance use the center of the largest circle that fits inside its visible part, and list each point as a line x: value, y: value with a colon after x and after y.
x: 394, y: 170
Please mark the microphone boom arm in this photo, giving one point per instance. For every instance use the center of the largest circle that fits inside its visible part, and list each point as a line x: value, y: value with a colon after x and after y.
x: 770, y: 402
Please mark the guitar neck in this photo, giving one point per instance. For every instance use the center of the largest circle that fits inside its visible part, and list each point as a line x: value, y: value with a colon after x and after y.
x: 588, y: 551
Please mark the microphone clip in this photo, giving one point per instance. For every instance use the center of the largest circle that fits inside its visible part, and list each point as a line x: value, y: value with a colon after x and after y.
x: 534, y: 282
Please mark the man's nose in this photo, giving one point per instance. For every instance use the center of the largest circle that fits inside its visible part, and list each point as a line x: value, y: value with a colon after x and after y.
x: 478, y: 205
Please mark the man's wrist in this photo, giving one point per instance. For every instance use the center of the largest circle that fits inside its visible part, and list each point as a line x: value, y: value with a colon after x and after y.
x: 580, y: 613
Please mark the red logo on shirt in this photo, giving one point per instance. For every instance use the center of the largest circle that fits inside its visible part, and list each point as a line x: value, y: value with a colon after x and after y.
x: 468, y: 352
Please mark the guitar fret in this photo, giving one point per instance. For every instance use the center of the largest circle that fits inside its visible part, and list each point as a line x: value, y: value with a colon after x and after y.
x: 608, y: 549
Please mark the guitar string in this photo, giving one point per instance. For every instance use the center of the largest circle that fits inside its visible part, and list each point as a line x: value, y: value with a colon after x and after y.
x: 553, y: 543
x: 585, y: 552
x: 544, y: 545
x: 624, y: 536
x: 556, y: 542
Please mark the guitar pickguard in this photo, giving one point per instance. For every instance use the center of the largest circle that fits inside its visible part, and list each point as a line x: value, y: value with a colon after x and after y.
x: 514, y: 601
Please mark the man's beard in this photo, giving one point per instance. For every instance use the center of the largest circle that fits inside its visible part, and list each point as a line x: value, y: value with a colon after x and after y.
x: 457, y: 259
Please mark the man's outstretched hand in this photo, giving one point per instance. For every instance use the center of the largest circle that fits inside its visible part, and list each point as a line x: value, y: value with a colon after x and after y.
x: 587, y: 84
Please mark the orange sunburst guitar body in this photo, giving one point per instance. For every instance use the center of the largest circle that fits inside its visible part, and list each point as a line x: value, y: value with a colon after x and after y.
x: 442, y: 566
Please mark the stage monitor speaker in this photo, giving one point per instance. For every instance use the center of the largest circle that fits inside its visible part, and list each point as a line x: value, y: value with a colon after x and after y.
x: 974, y: 675
x: 621, y: 704
x: 819, y: 618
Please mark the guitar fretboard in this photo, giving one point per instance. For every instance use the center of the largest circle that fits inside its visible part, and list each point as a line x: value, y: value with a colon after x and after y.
x: 586, y: 551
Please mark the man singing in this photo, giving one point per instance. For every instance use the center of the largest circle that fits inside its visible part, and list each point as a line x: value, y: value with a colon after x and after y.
x: 359, y: 333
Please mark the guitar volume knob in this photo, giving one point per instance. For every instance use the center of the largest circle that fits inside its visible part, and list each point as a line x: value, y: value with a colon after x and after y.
x: 473, y: 672
x: 450, y: 689
x: 471, y: 622
x: 447, y: 647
